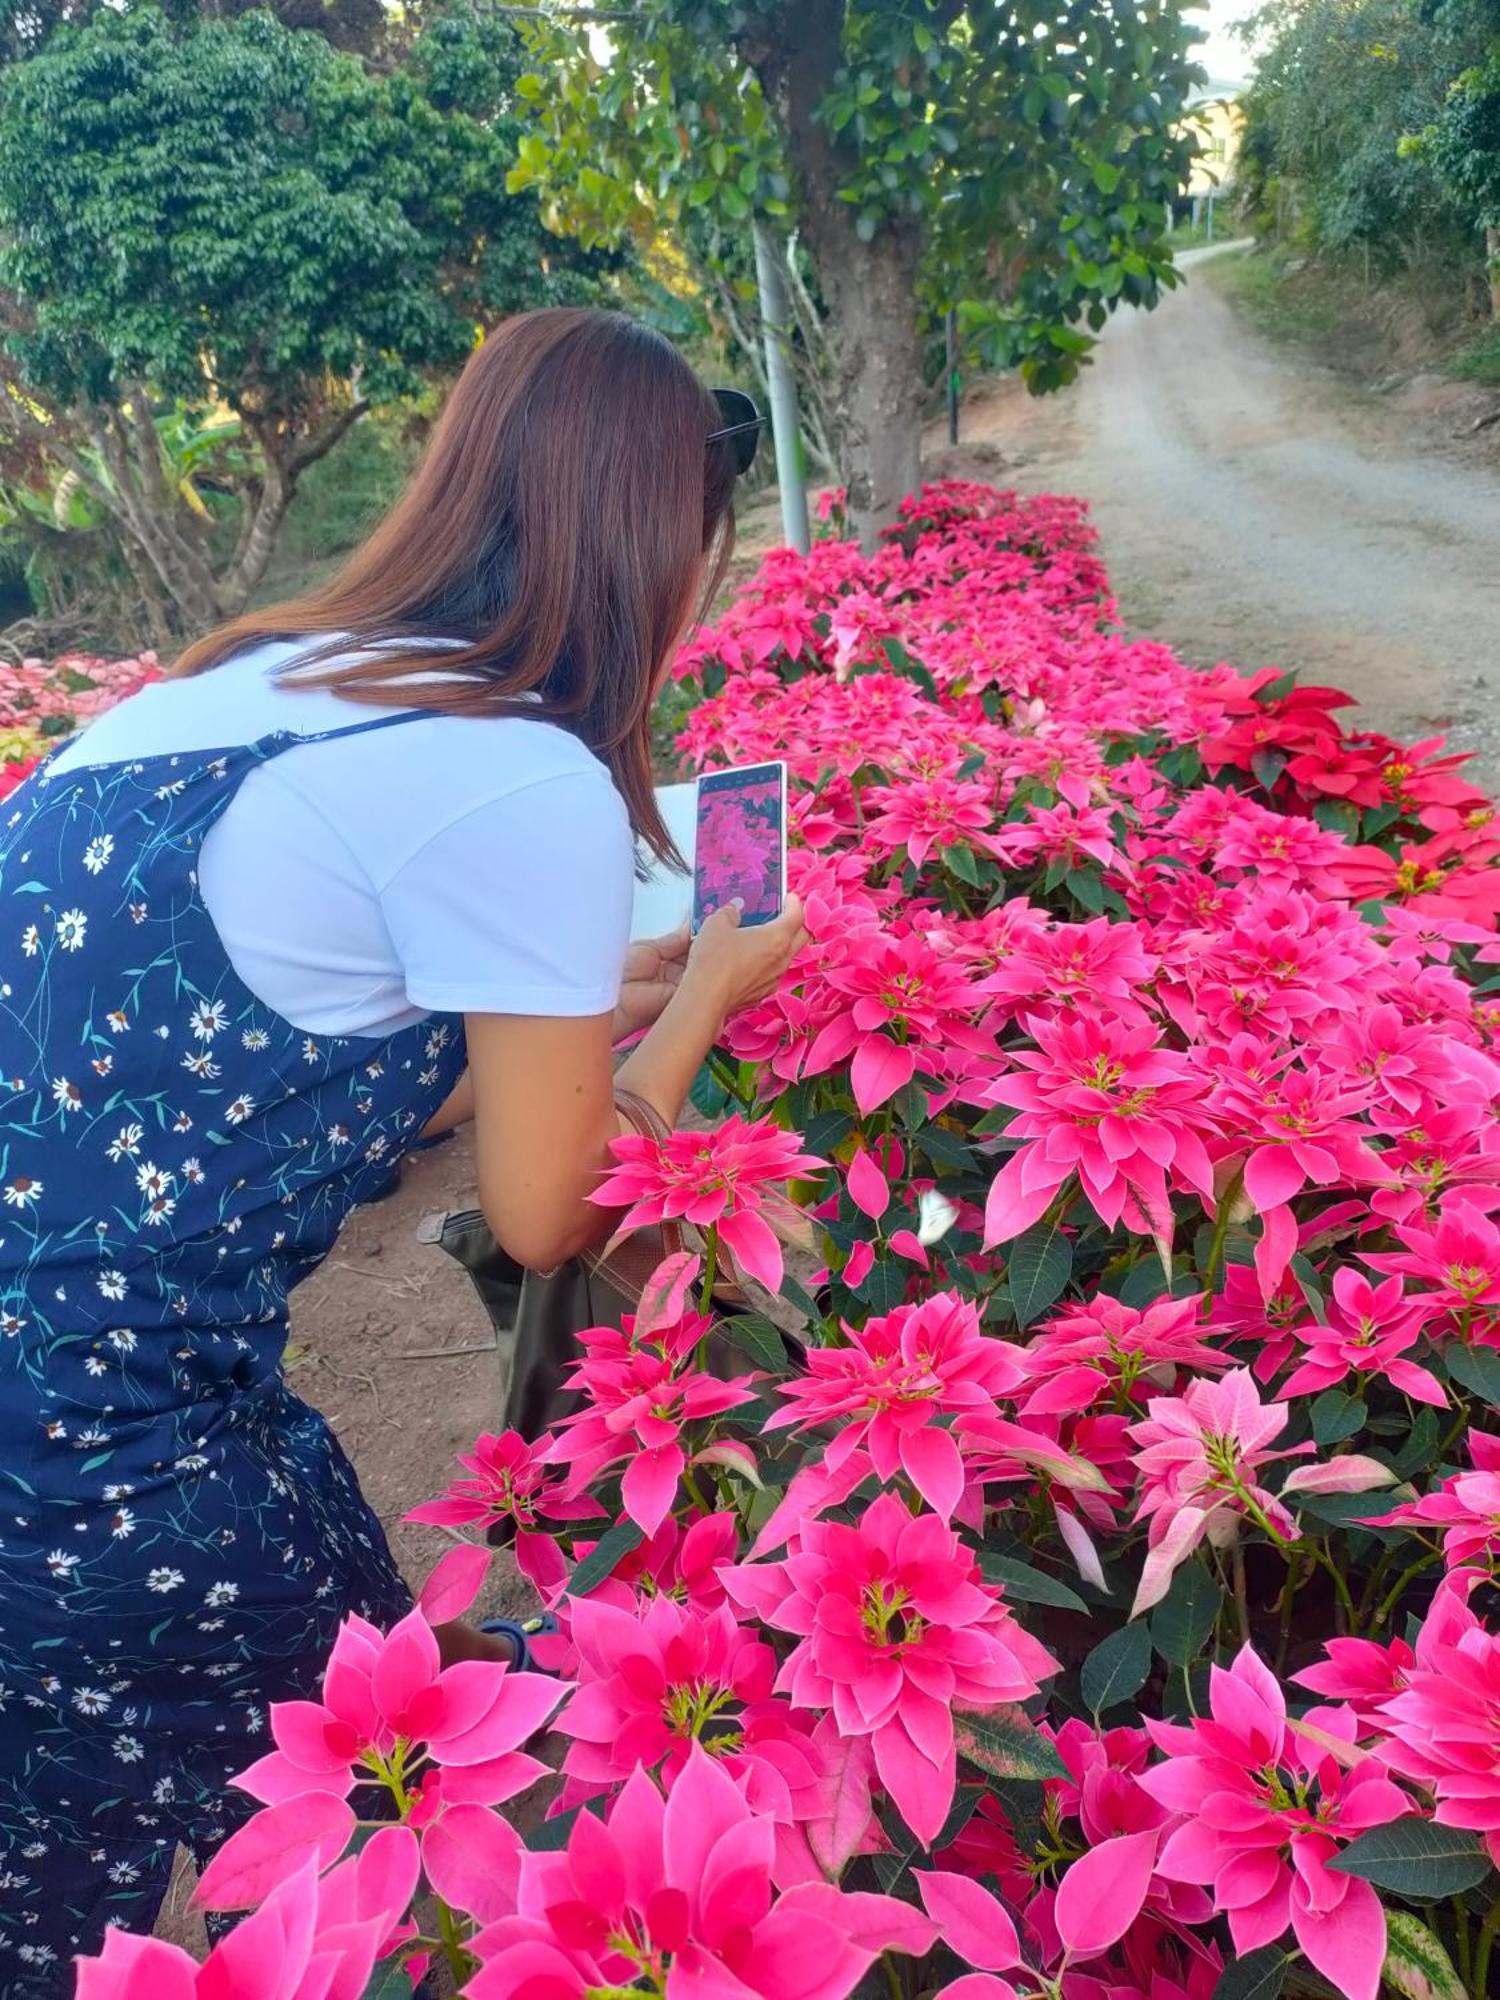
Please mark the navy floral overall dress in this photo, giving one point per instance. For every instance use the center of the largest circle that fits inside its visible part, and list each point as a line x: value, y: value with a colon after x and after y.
x: 179, y: 1534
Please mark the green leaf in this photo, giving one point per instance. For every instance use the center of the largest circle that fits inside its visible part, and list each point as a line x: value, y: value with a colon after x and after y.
x: 1416, y: 1965
x: 827, y: 1130
x: 945, y: 1149
x: 1117, y: 1667
x: 552, y: 1835
x: 389, y: 1981
x: 1420, y: 1448
x: 1259, y: 1975
x: 1268, y: 766
x: 959, y: 860
x: 1085, y: 887
x: 1336, y: 1416
x: 1414, y: 1857
x: 1037, y: 1270
x: 1146, y: 1281
x: 708, y: 1094
x: 1476, y: 1369
x: 599, y: 1563
x: 1006, y: 1743
x: 1182, y: 1624
x: 885, y: 1284
x: 796, y: 1294
x: 1353, y: 1510
x: 759, y: 1339
x: 1024, y: 1585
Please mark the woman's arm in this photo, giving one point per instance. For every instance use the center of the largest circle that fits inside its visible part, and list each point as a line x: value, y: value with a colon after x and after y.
x: 543, y: 1089
x: 653, y: 972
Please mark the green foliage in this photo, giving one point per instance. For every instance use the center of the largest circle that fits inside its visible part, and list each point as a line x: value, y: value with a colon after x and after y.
x: 1022, y: 157
x: 201, y: 217
x: 1416, y: 1858
x: 1340, y: 91
x: 1117, y: 1668
x: 1462, y: 144
x: 237, y: 209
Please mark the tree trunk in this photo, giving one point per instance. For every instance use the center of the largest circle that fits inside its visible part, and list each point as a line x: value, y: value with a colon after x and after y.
x: 870, y: 288
x: 872, y: 295
x: 1492, y: 250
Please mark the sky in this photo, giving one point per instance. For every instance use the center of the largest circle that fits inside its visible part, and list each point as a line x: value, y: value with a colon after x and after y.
x: 1222, y: 55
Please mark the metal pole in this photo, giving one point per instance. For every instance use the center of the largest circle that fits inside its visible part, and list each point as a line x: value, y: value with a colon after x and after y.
x: 950, y: 335
x: 784, y: 425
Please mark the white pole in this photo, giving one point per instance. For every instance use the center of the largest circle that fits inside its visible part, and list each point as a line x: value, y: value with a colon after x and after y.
x: 785, y: 428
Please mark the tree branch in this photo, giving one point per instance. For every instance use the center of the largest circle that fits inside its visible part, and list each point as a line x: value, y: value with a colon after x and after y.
x: 312, y: 449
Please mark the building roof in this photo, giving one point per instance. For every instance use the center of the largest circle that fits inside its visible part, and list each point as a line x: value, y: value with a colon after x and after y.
x: 1216, y: 90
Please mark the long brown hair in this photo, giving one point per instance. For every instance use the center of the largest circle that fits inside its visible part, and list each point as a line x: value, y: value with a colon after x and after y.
x: 558, y: 527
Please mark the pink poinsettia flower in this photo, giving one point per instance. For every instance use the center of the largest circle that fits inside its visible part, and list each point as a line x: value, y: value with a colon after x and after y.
x: 509, y: 1486
x: 887, y: 1389
x: 1443, y: 1727
x: 307, y: 1938
x: 1100, y: 1899
x: 390, y: 1709
x: 657, y: 1678
x: 636, y: 1409
x: 1266, y: 1810
x: 1106, y: 1103
x: 679, y: 1893
x: 1059, y: 833
x: 920, y: 817
x: 1106, y: 1348
x: 1300, y: 1128
x: 1466, y: 1506
x: 1368, y: 1330
x: 895, y: 1631
x: 1456, y: 1260
x: 896, y: 999
x: 724, y: 1180
x: 1075, y: 965
x: 1200, y: 1454
x: 1361, y: 1673
x: 679, y: 1562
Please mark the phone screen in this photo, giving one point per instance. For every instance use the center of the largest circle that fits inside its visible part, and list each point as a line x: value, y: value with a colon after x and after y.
x: 741, y: 843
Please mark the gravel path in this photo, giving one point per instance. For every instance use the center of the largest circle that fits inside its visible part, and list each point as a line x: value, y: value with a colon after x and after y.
x: 1257, y: 509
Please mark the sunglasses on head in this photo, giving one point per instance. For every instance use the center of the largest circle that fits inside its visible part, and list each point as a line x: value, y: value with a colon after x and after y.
x: 742, y: 427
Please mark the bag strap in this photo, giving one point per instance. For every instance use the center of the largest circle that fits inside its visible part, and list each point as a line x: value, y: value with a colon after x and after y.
x: 646, y: 1119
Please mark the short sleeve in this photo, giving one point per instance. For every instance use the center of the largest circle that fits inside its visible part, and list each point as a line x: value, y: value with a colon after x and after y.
x: 521, y: 905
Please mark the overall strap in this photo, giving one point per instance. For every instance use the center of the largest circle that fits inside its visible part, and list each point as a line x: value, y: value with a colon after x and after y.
x: 287, y: 739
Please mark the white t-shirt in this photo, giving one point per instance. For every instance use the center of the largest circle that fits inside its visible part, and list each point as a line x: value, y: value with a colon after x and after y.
x: 457, y: 864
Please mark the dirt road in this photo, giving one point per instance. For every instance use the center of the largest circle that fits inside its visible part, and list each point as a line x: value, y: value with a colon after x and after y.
x: 1256, y: 510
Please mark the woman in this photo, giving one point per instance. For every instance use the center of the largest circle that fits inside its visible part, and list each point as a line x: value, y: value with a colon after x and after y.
x: 363, y: 867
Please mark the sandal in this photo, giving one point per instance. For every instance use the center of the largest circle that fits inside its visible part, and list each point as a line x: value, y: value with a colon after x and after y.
x: 520, y: 1631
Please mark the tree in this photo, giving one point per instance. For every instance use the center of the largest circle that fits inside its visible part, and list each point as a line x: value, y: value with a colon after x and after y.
x: 1355, y: 137
x: 1462, y: 145
x: 929, y: 150
x: 227, y: 217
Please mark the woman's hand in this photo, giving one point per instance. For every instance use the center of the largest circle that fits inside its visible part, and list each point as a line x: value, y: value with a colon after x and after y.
x: 740, y: 964
x: 653, y: 973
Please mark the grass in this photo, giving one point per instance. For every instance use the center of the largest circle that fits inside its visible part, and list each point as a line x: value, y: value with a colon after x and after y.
x: 1186, y: 237
x: 1304, y: 306
x: 1478, y: 360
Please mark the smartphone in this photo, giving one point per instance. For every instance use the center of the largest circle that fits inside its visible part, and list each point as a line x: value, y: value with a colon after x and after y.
x: 740, y: 847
